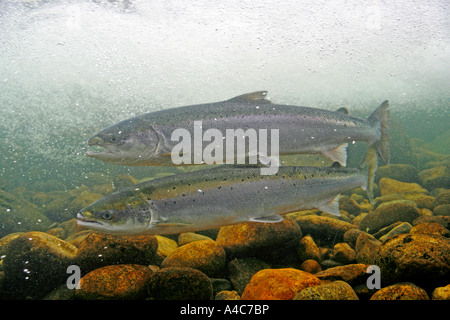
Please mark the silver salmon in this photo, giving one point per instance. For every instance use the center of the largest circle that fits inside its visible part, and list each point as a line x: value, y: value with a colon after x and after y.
x: 147, y: 139
x: 220, y: 196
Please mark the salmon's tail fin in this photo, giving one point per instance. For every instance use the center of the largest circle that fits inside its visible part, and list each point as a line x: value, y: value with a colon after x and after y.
x: 382, y: 117
x: 369, y: 166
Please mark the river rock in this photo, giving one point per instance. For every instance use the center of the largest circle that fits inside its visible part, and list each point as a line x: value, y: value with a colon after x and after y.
x: 116, y: 282
x: 324, y: 230
x: 353, y: 274
x: 343, y: 253
x: 441, y: 293
x: 310, y: 266
x: 366, y: 248
x: 436, y: 177
x: 35, y: 263
x: 189, y: 237
x: 17, y: 215
x: 400, y: 172
x: 388, y: 213
x: 421, y: 200
x: 241, y: 271
x: 422, y: 258
x: 351, y: 236
x: 99, y: 250
x: 388, y: 186
x: 336, y: 290
x: 441, y: 198
x: 5, y: 241
x: 401, y: 291
x: 220, y: 285
x: 268, y: 241
x: 227, y: 295
x: 431, y: 228
x: 402, y: 228
x: 180, y: 284
x: 165, y: 247
x: 308, y: 249
x: 278, y: 284
x: 206, y: 256
x: 349, y: 205
x: 386, y: 230
x: 442, y: 210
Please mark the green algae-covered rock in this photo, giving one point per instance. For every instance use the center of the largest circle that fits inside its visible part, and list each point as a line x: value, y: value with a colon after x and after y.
x: 336, y: 290
x: 179, y: 284
x: 34, y: 264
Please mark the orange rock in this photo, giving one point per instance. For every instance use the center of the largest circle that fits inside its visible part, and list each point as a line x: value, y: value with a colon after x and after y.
x: 441, y: 293
x: 204, y: 255
x: 278, y: 284
x: 401, y: 291
x: 430, y: 227
x: 259, y: 239
x: 124, y: 281
x: 419, y: 257
x: 311, y: 266
x: 353, y: 274
x: 308, y: 250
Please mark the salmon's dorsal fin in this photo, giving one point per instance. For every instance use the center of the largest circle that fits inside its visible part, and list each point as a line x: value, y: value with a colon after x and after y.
x: 253, y: 97
x: 343, y: 110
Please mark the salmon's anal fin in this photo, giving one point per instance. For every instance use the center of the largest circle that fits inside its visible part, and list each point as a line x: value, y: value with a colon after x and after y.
x: 338, y: 154
x: 332, y: 206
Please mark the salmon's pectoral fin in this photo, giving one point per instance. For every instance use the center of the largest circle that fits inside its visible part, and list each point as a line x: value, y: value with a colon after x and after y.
x: 332, y: 206
x: 338, y: 154
x: 268, y: 219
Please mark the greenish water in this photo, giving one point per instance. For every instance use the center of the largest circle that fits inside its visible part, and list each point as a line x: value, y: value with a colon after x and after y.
x: 71, y: 68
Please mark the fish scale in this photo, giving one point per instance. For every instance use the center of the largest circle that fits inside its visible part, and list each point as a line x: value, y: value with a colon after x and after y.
x: 219, y: 196
x: 146, y: 139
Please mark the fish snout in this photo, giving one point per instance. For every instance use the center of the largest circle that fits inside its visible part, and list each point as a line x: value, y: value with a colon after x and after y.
x: 95, y: 140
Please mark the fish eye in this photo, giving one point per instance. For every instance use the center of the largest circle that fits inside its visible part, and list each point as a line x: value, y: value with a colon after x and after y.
x: 113, y: 139
x: 107, y: 215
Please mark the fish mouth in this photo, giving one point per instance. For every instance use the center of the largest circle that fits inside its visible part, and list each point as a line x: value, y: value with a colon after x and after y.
x: 101, y: 150
x: 84, y: 221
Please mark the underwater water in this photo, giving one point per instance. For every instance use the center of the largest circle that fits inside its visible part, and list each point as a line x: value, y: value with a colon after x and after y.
x: 69, y: 69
